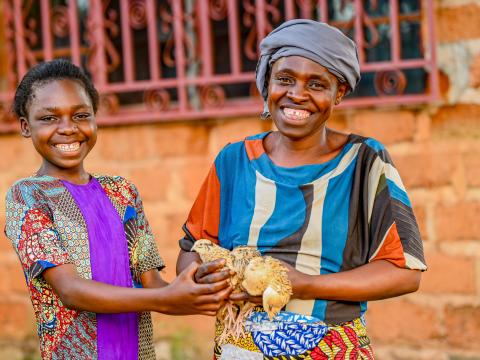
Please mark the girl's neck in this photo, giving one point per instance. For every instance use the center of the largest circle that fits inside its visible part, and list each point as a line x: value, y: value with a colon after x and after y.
x: 76, y: 176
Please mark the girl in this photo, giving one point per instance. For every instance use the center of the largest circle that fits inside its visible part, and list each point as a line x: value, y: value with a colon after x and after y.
x: 330, y: 205
x: 87, y: 251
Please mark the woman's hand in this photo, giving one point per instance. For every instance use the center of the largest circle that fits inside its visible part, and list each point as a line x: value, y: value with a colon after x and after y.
x: 298, y: 281
x: 297, y: 278
x: 244, y: 296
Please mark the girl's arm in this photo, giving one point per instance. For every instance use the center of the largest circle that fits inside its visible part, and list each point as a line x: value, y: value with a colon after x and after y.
x: 182, y: 297
x: 152, y: 279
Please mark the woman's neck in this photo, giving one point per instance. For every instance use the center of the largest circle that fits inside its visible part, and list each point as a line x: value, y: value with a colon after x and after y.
x: 315, y: 149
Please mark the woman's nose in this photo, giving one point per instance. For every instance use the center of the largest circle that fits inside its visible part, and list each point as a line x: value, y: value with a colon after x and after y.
x: 297, y: 92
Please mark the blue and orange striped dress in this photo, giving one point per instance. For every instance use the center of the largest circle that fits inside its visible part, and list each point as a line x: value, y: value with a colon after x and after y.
x: 320, y: 218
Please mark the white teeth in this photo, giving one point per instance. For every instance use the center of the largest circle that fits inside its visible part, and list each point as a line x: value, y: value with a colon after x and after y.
x: 68, y: 147
x: 296, y: 114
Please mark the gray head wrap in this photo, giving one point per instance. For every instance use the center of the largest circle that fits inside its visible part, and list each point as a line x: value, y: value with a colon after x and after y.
x: 313, y: 40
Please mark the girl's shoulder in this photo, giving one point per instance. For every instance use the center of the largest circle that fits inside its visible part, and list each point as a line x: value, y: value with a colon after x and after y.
x: 34, y: 188
x: 117, y: 186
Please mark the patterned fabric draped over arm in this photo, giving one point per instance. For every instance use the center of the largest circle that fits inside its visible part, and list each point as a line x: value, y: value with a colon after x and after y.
x: 146, y: 250
x: 394, y: 232
x: 30, y: 228
x: 204, y: 218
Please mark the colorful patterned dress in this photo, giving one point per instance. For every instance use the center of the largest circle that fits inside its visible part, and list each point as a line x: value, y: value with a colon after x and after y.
x: 47, y: 228
x: 319, y: 218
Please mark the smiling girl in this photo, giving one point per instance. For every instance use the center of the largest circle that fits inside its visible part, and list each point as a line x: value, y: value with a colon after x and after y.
x: 87, y: 251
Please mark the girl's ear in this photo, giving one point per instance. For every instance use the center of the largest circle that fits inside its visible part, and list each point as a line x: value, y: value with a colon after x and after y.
x: 25, y: 127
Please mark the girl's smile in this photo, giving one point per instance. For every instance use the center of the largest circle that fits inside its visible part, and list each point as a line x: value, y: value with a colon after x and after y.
x: 62, y: 126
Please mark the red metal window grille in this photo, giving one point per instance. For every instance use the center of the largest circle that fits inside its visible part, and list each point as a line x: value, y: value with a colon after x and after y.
x: 164, y: 60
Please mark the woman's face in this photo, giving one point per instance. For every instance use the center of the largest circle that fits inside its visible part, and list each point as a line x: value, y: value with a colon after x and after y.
x: 61, y: 123
x: 301, y: 95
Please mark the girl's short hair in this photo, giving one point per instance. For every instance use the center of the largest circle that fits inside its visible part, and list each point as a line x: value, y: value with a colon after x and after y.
x: 58, y: 69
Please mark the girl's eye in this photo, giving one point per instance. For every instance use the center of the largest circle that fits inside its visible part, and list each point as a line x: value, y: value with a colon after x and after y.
x: 48, y: 119
x: 81, y: 116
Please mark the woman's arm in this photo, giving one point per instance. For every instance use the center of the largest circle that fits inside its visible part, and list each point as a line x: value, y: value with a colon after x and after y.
x: 182, y: 297
x: 374, y: 281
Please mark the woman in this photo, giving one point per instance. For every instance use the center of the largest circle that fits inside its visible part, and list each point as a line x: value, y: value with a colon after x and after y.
x: 330, y: 205
x: 83, y: 240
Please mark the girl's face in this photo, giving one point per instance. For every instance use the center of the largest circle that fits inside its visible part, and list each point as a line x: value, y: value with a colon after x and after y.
x: 61, y: 123
x: 301, y: 95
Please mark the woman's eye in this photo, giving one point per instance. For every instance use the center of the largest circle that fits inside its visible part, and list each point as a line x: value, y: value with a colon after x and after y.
x: 284, y: 80
x: 317, y: 85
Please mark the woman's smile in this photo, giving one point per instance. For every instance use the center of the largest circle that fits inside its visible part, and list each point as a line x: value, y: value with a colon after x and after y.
x: 295, y: 116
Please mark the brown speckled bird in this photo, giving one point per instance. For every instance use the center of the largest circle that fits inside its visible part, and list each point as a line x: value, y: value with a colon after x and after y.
x: 268, y: 277
x: 254, y: 274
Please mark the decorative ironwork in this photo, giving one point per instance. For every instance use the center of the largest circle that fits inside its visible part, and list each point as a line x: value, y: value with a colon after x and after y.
x: 157, y: 99
x: 155, y: 60
x: 138, y: 14
x: 109, y: 104
x: 218, y: 9
x: 167, y: 20
x: 60, y: 22
x: 212, y: 96
x: 390, y: 82
x: 249, y: 20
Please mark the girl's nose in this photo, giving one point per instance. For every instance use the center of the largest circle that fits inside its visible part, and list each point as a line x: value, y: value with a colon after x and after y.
x: 67, y: 126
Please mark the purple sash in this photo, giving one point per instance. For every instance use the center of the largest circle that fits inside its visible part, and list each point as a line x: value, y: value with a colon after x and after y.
x: 117, y: 334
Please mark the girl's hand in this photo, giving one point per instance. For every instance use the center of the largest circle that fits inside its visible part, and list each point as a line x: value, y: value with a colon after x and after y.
x: 211, y: 272
x: 186, y: 297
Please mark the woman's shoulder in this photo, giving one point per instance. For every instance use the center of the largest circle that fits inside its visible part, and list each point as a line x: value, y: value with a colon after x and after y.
x: 368, y: 142
x: 371, y: 150
x: 246, y: 146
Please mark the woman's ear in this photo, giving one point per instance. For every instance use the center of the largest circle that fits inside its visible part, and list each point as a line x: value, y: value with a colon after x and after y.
x: 25, y: 127
x: 341, y: 91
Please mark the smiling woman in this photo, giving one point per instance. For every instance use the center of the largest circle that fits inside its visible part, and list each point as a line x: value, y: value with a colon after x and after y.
x: 330, y: 205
